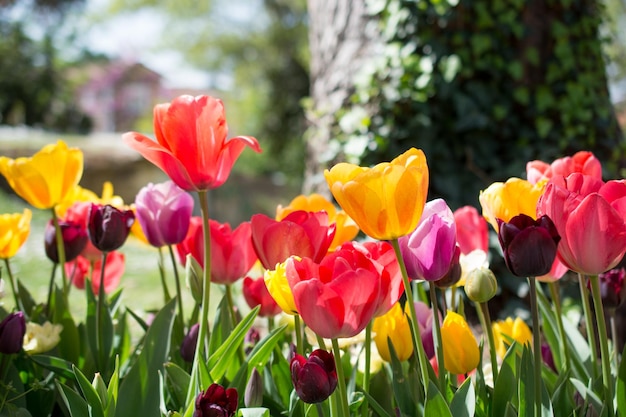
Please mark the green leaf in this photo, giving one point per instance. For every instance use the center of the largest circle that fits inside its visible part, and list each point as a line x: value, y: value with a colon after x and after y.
x: 435, y: 403
x: 76, y: 404
x: 254, y: 412
x: 463, y: 403
x: 26, y: 298
x: 405, y: 394
x: 588, y: 394
x: 378, y: 409
x: 526, y: 384
x: 69, y: 344
x: 90, y: 394
x: 59, y: 366
x: 504, y: 391
x: 177, y: 383
x: 621, y: 384
x: 112, y: 390
x: 139, y: 390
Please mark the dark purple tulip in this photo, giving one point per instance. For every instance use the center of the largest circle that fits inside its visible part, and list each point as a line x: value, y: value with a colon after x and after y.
x: 188, y: 347
x: 612, y: 288
x: 216, y: 401
x: 12, y: 330
x: 546, y: 355
x: 108, y: 227
x: 315, y: 378
x: 164, y: 212
x: 74, y: 240
x: 529, y: 245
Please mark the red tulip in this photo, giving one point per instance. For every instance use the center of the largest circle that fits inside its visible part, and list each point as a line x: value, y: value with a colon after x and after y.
x: 583, y: 162
x: 339, y: 296
x: 301, y: 233
x: 471, y: 230
x: 78, y: 270
x: 74, y: 238
x: 78, y: 213
x: 191, y: 146
x: 590, y: 218
x: 256, y: 294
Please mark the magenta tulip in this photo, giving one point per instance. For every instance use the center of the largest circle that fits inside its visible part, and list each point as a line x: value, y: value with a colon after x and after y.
x: 164, y: 211
x: 429, y: 250
x: 590, y: 217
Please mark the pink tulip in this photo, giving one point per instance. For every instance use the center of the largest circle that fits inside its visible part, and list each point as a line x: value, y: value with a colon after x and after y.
x: 471, y: 230
x: 590, y: 218
x: 583, y: 162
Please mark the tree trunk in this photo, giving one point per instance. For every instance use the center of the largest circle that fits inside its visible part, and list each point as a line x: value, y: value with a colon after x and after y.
x: 342, y: 37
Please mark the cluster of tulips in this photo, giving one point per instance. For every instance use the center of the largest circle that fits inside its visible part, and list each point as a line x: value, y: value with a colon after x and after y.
x: 350, y: 310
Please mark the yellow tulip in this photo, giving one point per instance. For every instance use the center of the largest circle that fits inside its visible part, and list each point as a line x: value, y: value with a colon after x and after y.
x: 505, y: 200
x: 45, y: 179
x: 346, y: 228
x: 460, y: 349
x: 394, y: 325
x: 515, y: 329
x: 14, y: 229
x: 385, y: 201
x: 278, y: 287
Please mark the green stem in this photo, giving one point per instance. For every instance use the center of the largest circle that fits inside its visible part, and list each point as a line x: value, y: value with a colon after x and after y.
x: 50, y: 289
x: 604, y: 347
x: 614, y: 338
x: 453, y: 298
x: 341, y: 382
x: 415, y: 330
x: 166, y: 292
x: 485, y: 318
x: 320, y: 409
x: 102, y: 351
x: 591, y: 334
x: 204, y: 335
x: 297, y: 328
x: 366, y: 374
x: 538, y: 359
x: 437, y: 336
x: 60, y: 251
x: 16, y: 296
x: 233, y: 315
x: 556, y: 301
x: 179, y: 293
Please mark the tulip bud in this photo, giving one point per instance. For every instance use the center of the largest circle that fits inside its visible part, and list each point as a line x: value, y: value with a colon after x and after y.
x: 12, y: 330
x: 252, y: 338
x: 109, y: 227
x: 253, y: 396
x: 546, y: 355
x: 101, y: 389
x: 188, y: 346
x: 74, y: 240
x: 315, y: 378
x: 216, y: 401
x: 193, y: 277
x: 481, y: 285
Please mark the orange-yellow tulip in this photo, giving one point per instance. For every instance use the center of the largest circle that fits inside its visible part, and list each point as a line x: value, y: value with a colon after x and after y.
x: 345, y: 229
x: 505, y: 200
x: 278, y: 287
x: 515, y: 329
x: 395, y: 326
x: 14, y: 229
x: 48, y: 177
x: 386, y: 201
x: 460, y: 350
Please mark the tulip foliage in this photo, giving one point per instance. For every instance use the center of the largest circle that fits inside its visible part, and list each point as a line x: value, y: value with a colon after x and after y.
x: 378, y: 302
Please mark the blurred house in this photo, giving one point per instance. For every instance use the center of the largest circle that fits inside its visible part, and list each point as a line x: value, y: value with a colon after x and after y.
x: 118, y: 94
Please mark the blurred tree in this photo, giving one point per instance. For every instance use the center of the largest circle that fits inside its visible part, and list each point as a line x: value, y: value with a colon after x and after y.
x: 33, y: 90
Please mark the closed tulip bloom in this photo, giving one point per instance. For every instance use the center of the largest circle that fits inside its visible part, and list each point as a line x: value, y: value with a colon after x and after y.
x: 188, y: 346
x: 386, y: 201
x: 256, y: 294
x: 471, y: 230
x: 505, y: 200
x: 315, y: 378
x: 78, y: 213
x: 337, y: 297
x: 232, y: 253
x: 278, y: 286
x: 108, y: 226
x: 393, y: 326
x: 612, y: 287
x: 429, y: 250
x: 345, y: 228
x: 583, y: 162
x: 515, y: 329
x: 14, y: 230
x: 192, y: 146
x: 163, y: 211
x: 74, y: 240
x: 12, y: 330
x: 460, y: 350
x: 45, y: 179
x: 79, y: 269
x: 590, y: 217
x: 300, y: 233
x: 216, y: 401
x: 529, y: 245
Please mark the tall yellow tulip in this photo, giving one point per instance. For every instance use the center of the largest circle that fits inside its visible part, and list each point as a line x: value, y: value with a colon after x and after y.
x: 393, y: 325
x: 14, y: 229
x: 505, y: 200
x: 345, y: 228
x: 386, y: 201
x: 516, y: 329
x: 48, y: 177
x: 460, y: 350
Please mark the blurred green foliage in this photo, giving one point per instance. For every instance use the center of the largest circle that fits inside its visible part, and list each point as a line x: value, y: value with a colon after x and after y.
x: 483, y: 87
